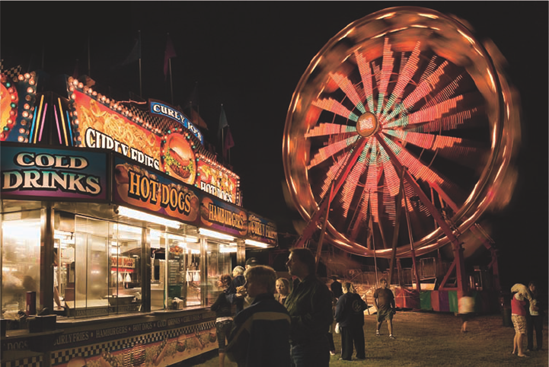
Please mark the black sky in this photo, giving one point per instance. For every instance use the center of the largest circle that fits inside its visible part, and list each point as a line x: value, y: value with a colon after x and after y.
x: 249, y: 56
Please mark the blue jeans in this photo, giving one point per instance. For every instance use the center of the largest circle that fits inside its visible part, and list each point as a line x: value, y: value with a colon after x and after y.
x: 312, y: 354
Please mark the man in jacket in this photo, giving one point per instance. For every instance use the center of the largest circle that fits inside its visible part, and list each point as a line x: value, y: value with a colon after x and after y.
x: 350, y: 316
x: 261, y: 333
x: 310, y: 307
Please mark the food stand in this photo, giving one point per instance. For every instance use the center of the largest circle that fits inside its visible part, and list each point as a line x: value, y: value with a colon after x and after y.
x: 126, y: 216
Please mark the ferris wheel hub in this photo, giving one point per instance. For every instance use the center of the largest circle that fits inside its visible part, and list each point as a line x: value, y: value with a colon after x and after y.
x: 367, y: 124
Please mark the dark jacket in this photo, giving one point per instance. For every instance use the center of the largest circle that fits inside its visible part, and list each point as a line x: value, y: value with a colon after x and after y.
x: 260, y: 335
x: 231, y: 293
x: 222, y: 306
x: 310, y: 306
x: 350, y: 310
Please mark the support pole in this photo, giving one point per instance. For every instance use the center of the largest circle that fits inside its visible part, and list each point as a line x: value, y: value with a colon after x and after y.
x: 397, y: 224
x: 413, y: 251
x: 312, y: 225
x: 371, y: 222
x: 458, y: 249
x: 325, y: 222
x: 171, y: 79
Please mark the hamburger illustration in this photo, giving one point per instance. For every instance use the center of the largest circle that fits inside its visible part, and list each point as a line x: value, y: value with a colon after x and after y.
x: 179, y: 159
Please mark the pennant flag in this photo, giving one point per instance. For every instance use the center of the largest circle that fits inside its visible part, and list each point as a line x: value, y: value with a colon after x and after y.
x: 168, y: 54
x: 135, y: 53
x: 229, y: 143
x: 222, y: 121
x: 197, y: 119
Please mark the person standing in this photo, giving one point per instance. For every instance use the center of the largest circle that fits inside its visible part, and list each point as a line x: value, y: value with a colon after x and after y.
x: 248, y: 300
x: 310, y: 307
x: 261, y: 333
x: 282, y: 289
x: 224, y: 318
x: 384, y: 300
x: 518, y: 315
x: 350, y: 316
x: 534, y: 319
x: 336, y: 288
x: 232, y: 294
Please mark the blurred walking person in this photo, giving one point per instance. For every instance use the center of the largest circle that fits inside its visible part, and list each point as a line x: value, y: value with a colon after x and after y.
x: 466, y: 307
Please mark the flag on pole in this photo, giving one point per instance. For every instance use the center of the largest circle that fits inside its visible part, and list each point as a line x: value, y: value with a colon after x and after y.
x: 168, y: 54
x: 135, y: 53
x: 222, y: 122
x: 229, y: 143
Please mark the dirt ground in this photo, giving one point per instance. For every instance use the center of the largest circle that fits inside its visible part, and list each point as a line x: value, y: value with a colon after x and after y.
x: 426, y: 339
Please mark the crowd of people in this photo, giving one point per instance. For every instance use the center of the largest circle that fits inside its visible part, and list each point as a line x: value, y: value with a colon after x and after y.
x: 281, y: 322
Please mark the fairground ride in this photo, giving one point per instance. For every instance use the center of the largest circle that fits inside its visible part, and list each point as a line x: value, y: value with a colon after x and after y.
x: 400, y: 135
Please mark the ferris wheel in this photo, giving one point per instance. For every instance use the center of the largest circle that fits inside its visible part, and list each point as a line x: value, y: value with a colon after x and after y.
x: 403, y: 114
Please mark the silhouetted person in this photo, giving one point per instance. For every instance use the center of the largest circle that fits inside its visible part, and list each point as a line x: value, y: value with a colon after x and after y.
x: 310, y: 306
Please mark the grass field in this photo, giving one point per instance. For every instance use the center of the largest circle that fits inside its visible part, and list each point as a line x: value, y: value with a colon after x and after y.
x: 426, y: 339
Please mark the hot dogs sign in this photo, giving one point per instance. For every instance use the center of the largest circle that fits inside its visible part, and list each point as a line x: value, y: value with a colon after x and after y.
x: 106, y: 124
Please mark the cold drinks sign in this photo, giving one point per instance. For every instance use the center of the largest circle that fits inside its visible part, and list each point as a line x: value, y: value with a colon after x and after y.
x: 53, y: 173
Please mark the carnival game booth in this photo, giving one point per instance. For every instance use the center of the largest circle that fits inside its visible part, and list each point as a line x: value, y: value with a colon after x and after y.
x: 122, y: 216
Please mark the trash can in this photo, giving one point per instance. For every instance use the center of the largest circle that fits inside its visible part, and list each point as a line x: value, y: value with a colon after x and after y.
x: 506, y: 314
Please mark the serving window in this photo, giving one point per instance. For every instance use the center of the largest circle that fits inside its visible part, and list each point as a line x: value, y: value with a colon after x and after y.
x: 20, y: 262
x: 106, y: 264
x: 176, y: 271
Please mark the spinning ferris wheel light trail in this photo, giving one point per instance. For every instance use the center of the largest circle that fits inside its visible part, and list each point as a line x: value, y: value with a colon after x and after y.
x: 405, y: 92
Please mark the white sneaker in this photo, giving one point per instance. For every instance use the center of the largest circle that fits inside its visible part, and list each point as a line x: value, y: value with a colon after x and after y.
x: 377, y: 333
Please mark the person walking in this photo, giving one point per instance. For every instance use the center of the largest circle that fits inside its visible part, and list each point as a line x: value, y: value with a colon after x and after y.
x: 350, y: 316
x: 384, y: 300
x: 261, y: 333
x: 466, y: 307
x: 224, y: 317
x: 310, y: 307
x: 534, y: 319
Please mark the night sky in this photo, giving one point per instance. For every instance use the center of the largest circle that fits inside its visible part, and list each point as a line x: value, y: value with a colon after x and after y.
x: 249, y: 56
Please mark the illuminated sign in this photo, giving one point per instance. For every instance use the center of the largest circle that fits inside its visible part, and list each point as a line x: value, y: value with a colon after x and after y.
x: 101, y: 127
x: 367, y: 124
x: 53, y: 173
x: 18, y: 116
x: 99, y: 122
x: 169, y: 112
x: 139, y: 187
x: 261, y: 229
x: 218, y: 215
x: 216, y: 180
